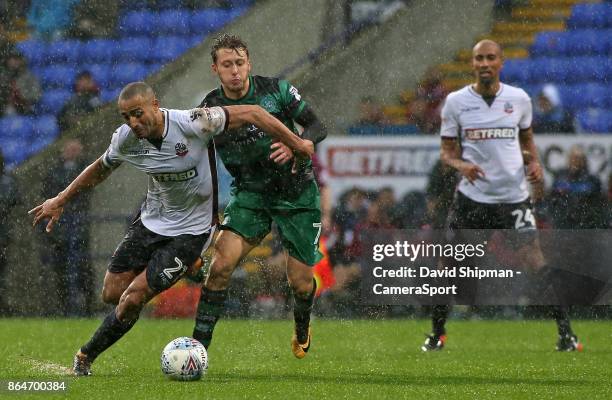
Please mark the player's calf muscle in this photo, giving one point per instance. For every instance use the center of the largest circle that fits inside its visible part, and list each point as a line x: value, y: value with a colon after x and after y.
x: 220, y: 274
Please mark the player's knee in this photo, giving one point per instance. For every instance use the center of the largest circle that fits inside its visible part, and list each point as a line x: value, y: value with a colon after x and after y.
x: 301, y: 286
x: 110, y: 296
x: 302, y: 289
x: 220, y: 269
x: 130, y: 304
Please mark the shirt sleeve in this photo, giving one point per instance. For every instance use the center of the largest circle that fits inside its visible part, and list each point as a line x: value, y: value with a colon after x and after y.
x: 525, y: 121
x: 291, y: 98
x: 112, y: 157
x: 450, y: 124
x: 207, y: 122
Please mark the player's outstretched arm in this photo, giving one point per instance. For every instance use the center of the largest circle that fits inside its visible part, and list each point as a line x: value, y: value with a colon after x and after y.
x: 450, y: 154
x: 534, y: 168
x: 247, y: 114
x: 91, y: 176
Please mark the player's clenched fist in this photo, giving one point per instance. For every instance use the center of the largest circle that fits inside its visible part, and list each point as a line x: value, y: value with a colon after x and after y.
x: 534, y: 172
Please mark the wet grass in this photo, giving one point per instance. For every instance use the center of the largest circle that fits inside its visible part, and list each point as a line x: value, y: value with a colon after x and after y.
x: 349, y: 359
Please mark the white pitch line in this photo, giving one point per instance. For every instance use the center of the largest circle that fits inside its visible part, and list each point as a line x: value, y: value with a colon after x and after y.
x: 47, y: 366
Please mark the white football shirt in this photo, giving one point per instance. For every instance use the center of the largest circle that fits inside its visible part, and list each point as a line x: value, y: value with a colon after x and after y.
x: 489, y: 137
x: 182, y: 189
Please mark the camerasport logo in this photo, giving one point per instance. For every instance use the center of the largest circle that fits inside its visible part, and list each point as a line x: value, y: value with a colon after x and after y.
x: 181, y: 149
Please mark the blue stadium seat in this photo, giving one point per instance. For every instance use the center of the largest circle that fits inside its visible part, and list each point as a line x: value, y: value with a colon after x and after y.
x: 364, y: 130
x: 583, y: 96
x: 549, y: 44
x: 57, y: 76
x: 107, y: 95
x: 585, y: 42
x: 538, y: 69
x: 551, y: 69
x: 570, y: 96
x: 98, y: 50
x: 52, y: 101
x: 195, y: 40
x: 593, y: 95
x: 154, y: 68
x: 589, y: 68
x: 15, y: 152
x: 16, y: 127
x: 606, y: 37
x: 34, y: 51
x: 134, y: 49
x: 101, y: 73
x: 408, y: 129
x: 595, y: 120
x: 142, y: 23
x: 558, y: 69
x: 387, y: 130
x: 174, y: 22
x: 608, y: 97
x: 45, y: 130
x: 515, y: 71
x: 589, y: 16
x: 169, y: 48
x: 532, y: 90
x: 125, y: 73
x: 68, y: 51
x: 209, y: 20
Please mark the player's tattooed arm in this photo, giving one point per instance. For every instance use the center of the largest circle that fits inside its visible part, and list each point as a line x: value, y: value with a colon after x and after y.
x: 534, y: 168
x: 52, y: 208
x: 450, y: 154
x: 247, y: 114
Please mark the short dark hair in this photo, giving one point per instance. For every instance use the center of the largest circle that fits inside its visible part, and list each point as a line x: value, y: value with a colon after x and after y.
x: 84, y: 74
x: 134, y: 89
x: 227, y: 41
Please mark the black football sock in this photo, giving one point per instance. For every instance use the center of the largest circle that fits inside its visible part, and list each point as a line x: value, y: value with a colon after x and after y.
x: 209, y: 311
x: 302, y: 309
x: 439, y: 315
x: 560, y: 314
x: 107, y: 334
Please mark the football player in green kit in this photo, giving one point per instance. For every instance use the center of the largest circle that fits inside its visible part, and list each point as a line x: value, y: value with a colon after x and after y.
x: 268, y: 186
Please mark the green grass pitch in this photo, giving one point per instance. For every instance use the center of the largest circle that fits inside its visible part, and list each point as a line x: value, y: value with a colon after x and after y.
x: 348, y: 359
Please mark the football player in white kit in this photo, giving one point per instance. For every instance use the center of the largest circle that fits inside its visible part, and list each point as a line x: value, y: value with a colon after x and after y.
x: 177, y: 219
x: 486, y: 127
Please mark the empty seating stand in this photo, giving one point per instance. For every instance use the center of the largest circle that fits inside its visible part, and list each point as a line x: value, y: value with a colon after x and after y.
x: 577, y: 60
x: 148, y: 36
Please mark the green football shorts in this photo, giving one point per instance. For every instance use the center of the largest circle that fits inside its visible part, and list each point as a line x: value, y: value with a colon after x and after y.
x: 250, y: 215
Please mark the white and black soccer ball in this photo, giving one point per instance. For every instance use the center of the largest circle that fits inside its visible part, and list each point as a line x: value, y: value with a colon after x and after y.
x: 184, y: 359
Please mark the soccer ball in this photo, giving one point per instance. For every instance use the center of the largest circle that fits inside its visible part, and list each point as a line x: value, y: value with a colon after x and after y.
x: 184, y: 359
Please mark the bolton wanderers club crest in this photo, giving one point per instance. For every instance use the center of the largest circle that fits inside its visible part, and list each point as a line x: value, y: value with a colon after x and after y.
x: 181, y: 149
x: 508, y: 108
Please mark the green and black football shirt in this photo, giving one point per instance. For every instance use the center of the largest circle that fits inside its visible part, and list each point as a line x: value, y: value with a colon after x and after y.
x: 245, y: 151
